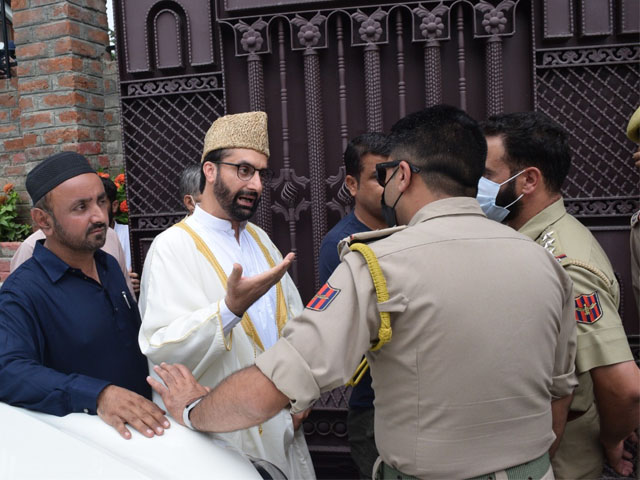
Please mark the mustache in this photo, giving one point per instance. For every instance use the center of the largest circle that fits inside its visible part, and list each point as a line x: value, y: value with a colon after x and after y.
x: 95, y: 226
x: 246, y: 193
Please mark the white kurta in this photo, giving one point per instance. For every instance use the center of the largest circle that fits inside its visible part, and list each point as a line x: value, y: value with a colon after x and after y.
x: 183, y: 313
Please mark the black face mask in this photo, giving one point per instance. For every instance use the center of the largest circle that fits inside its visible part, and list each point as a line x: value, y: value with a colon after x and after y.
x: 389, y: 213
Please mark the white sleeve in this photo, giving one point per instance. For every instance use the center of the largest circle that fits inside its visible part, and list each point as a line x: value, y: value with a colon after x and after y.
x: 181, y: 307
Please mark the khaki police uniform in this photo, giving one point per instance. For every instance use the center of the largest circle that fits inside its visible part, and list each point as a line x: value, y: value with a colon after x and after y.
x: 635, y: 258
x: 601, y: 337
x: 483, y: 338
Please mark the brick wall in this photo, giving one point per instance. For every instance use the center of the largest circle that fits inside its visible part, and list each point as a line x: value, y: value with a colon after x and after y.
x: 7, y: 249
x: 65, y: 94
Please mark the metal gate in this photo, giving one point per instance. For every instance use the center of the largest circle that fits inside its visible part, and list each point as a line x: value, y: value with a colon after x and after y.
x: 328, y: 73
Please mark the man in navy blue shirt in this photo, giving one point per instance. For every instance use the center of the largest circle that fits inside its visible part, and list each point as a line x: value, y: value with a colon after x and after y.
x: 360, y: 159
x: 68, y: 323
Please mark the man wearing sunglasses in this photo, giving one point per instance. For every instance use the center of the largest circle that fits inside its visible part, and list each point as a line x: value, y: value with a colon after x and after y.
x: 478, y: 365
x: 215, y: 292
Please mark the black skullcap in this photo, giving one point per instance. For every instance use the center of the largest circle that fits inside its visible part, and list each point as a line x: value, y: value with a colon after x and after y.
x: 53, y: 171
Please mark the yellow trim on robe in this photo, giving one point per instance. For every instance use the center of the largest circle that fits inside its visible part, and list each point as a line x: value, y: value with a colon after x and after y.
x: 247, y: 324
x: 281, y: 304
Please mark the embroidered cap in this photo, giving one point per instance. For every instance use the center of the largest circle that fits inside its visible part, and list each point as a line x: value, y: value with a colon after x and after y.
x: 633, y: 129
x: 242, y: 130
x: 54, y: 170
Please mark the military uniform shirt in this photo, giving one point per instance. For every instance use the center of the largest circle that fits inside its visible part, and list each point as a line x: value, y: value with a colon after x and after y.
x: 601, y: 337
x: 483, y: 339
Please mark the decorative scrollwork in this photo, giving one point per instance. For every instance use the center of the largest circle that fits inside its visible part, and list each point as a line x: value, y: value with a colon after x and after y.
x: 494, y: 20
x: 432, y: 26
x: 325, y: 428
x: 155, y: 222
x: 602, y: 207
x: 290, y: 194
x: 370, y: 29
x: 149, y: 88
x: 591, y: 56
x: 309, y: 33
x: 344, y: 195
x: 252, y: 39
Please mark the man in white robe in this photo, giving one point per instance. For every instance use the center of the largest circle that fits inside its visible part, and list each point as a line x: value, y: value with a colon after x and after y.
x: 215, y: 293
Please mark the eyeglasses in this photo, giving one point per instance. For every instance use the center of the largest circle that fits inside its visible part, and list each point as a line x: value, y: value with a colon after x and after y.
x: 246, y: 171
x: 381, y: 170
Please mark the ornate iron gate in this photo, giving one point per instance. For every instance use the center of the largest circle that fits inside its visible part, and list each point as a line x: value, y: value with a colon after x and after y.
x: 344, y: 67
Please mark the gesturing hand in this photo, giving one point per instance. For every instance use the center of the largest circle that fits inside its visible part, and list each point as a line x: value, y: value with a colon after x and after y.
x: 243, y: 291
x: 181, y: 388
x: 118, y: 406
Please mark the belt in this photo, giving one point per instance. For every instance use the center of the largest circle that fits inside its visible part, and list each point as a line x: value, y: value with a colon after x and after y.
x: 533, y: 470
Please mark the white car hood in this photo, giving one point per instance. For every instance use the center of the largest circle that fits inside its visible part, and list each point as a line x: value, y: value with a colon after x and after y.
x: 79, y: 446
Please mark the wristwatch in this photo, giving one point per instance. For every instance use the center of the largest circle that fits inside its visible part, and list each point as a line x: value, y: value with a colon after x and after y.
x: 187, y: 411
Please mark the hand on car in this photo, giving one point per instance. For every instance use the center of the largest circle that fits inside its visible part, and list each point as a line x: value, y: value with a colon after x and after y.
x: 118, y: 406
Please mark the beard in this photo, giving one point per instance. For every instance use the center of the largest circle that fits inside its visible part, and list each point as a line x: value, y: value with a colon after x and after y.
x: 230, y: 202
x: 94, y: 238
x: 507, y: 196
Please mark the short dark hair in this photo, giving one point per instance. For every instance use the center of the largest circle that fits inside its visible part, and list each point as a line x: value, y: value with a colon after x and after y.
x: 213, y: 156
x: 532, y: 139
x: 368, y: 143
x: 446, y: 144
x: 189, y: 183
x: 110, y: 189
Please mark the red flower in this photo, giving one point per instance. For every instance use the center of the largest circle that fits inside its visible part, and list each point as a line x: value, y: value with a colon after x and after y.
x: 119, y: 179
x: 3, y: 199
x: 8, y: 187
x: 103, y: 174
x: 124, y: 208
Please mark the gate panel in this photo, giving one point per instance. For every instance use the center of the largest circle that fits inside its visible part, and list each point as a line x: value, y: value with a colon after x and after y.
x: 164, y: 123
x: 587, y: 79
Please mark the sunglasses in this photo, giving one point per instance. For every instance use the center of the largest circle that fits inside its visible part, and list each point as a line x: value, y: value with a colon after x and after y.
x: 381, y: 170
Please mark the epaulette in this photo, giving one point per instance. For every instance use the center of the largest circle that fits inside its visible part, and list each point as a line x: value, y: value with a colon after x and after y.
x: 634, y: 219
x: 366, y: 237
x: 551, y: 244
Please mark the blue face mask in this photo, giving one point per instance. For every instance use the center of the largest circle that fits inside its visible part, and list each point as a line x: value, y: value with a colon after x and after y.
x: 487, y: 193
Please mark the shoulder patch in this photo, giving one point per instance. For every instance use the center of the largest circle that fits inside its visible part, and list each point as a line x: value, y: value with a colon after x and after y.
x: 323, y: 298
x: 588, y: 308
x: 634, y: 218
